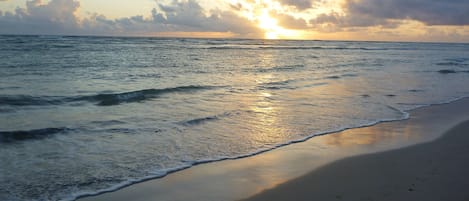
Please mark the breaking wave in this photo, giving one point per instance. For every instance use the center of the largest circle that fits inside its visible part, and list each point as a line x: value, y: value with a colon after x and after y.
x: 106, y: 99
x: 20, y: 135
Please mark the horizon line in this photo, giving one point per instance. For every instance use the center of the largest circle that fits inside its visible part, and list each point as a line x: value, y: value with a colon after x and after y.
x: 233, y: 38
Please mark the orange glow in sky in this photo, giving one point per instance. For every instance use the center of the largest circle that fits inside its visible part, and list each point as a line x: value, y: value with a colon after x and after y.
x: 268, y: 19
x: 273, y: 30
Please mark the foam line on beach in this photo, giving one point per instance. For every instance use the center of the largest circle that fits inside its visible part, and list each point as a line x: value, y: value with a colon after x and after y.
x: 162, y: 173
x: 428, y: 171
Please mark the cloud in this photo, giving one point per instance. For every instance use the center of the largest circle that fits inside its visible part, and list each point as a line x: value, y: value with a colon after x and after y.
x: 190, y: 16
x: 362, y: 13
x: 299, y: 4
x: 350, y: 20
x: 289, y: 22
x: 59, y: 17
x: 449, y: 12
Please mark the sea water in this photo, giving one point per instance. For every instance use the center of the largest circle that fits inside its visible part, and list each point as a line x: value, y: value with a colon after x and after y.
x: 84, y: 115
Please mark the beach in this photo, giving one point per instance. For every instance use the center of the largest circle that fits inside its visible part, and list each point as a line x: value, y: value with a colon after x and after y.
x: 431, y: 171
x: 427, y: 161
x: 196, y: 100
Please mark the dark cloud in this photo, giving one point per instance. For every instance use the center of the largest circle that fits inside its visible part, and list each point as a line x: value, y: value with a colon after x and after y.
x: 448, y: 12
x: 355, y: 20
x: 59, y: 17
x: 391, y: 13
x: 299, y: 4
x: 36, y: 18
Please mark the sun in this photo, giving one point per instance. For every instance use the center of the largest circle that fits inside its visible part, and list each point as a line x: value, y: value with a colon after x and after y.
x: 269, y: 25
x: 262, y: 14
x: 273, y: 30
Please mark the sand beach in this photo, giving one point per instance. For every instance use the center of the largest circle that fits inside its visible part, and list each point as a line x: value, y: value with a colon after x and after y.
x: 422, y: 158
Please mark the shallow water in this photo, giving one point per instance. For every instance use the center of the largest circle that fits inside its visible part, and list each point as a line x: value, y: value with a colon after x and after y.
x: 80, y: 115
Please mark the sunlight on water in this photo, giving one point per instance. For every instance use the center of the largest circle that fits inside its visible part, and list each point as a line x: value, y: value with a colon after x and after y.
x: 96, y: 113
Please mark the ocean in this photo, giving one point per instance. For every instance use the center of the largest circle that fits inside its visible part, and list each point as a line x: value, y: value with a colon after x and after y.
x: 85, y: 115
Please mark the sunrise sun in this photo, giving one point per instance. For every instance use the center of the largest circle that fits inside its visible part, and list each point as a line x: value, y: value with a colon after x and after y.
x: 274, y: 31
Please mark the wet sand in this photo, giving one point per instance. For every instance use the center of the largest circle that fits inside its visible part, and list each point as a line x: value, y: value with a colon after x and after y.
x: 285, y: 169
x: 438, y: 170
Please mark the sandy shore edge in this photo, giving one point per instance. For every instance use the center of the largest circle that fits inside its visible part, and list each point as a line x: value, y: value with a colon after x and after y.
x: 438, y: 170
x: 246, y: 177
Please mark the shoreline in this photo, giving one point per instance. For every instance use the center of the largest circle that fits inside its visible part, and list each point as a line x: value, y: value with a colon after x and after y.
x: 236, y: 173
x: 429, y: 171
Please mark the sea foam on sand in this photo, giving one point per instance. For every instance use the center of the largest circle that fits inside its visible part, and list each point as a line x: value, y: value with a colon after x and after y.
x: 431, y: 170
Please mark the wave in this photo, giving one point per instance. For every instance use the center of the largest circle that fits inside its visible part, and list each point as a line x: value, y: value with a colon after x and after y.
x: 188, y: 164
x: 287, y: 84
x: 284, y: 84
x: 136, y: 96
x: 280, y: 68
x: 251, y: 47
x: 454, y: 62
x: 350, y: 75
x: 324, y: 48
x: 334, y: 77
x: 446, y: 71
x: 61, y: 46
x: 202, y: 120
x: 451, y: 71
x: 14, y: 136
x: 457, y: 62
x: 107, y: 99
x: 23, y: 100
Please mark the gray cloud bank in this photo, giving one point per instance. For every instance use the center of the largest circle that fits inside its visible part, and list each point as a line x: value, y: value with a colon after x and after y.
x: 59, y: 17
x: 431, y: 12
x: 299, y: 4
x: 363, y: 13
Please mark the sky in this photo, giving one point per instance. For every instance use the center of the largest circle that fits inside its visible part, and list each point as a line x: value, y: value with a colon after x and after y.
x: 369, y: 20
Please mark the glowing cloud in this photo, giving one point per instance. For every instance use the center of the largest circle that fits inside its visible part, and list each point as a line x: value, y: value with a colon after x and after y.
x: 259, y: 12
x: 408, y: 20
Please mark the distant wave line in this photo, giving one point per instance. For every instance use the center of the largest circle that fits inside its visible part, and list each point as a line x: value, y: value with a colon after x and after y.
x: 105, y: 99
x: 293, y: 48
